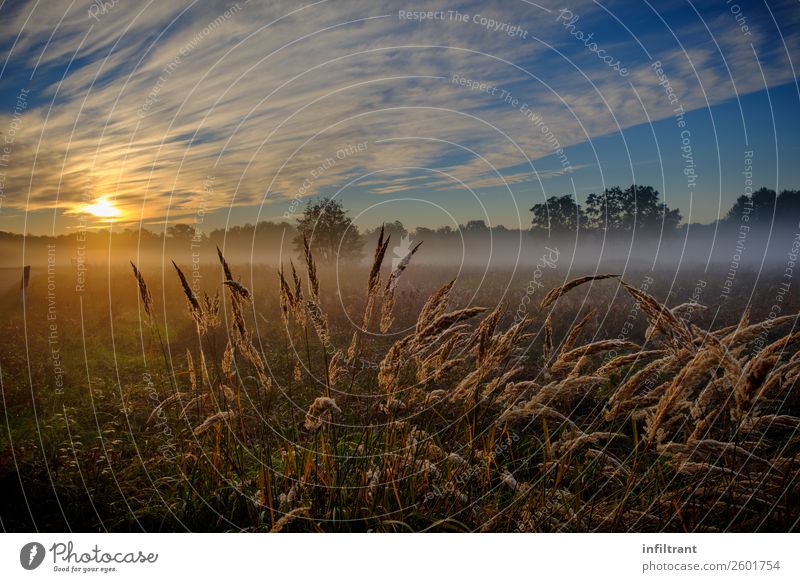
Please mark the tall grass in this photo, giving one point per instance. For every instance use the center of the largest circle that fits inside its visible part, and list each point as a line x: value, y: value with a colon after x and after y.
x: 458, y: 426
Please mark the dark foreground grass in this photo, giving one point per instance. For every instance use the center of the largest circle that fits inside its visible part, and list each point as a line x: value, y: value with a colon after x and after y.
x: 262, y: 409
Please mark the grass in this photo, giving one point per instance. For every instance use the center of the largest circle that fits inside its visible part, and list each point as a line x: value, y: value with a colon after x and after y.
x: 268, y: 410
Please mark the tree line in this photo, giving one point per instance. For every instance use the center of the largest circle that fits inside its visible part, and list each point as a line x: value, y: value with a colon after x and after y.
x: 330, y: 231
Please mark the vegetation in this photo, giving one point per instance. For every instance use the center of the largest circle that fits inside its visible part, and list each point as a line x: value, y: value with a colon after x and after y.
x: 325, y: 223
x: 634, y: 208
x: 436, y: 417
x: 328, y: 230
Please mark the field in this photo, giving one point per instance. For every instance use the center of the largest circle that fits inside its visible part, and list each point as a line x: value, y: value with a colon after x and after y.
x: 399, y: 398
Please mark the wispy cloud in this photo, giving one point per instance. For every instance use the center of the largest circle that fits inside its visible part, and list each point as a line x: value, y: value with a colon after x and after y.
x: 145, y: 102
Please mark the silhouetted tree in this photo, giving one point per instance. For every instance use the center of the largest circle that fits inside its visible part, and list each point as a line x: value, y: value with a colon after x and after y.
x: 788, y: 206
x: 739, y: 208
x: 558, y: 214
x: 330, y: 232
x: 764, y: 206
x: 475, y: 227
x: 635, y: 207
x: 181, y: 232
x: 395, y: 229
x: 764, y: 201
x: 423, y: 232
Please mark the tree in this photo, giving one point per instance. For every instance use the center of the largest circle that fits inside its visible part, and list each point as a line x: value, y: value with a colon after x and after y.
x: 329, y: 231
x: 738, y: 209
x: 422, y: 232
x: 636, y: 207
x: 788, y: 206
x: 605, y: 211
x: 558, y: 214
x: 181, y: 232
x: 763, y: 203
x: 766, y: 207
x: 475, y: 227
x: 395, y: 229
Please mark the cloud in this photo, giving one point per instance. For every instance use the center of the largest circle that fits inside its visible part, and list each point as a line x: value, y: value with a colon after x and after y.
x: 146, y: 102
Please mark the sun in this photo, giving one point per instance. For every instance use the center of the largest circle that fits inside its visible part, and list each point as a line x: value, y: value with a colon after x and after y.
x: 103, y: 208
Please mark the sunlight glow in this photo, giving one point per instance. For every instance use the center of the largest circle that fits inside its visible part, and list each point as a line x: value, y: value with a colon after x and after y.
x: 103, y: 208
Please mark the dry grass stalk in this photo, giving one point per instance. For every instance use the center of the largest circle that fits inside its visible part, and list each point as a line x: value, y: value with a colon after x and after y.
x: 299, y: 306
x: 547, y: 346
x: 389, y: 368
x: 564, y: 392
x: 576, y: 330
x: 529, y: 411
x: 436, y: 365
x: 285, y: 297
x: 239, y: 294
x: 336, y: 368
x: 293, y: 515
x: 374, y: 280
x: 144, y: 293
x: 708, y: 448
x: 643, y: 378
x: 194, y: 403
x: 311, y: 269
x: 252, y: 355
x: 169, y: 400
x: 211, y: 310
x: 572, y: 442
x: 195, y: 309
x: 565, y: 288
x: 470, y: 390
x: 225, y: 268
x: 517, y: 392
x: 660, y: 316
x: 708, y: 407
x: 485, y: 334
x: 785, y: 375
x: 435, y: 306
x: 612, y: 467
x: 320, y: 412
x: 213, y: 420
x: 704, y: 362
x: 204, y: 375
x: 242, y: 335
x: 626, y: 359
x: 444, y: 322
x: 687, y: 308
x: 229, y: 363
x: 319, y: 321
x: 772, y: 421
x: 373, y: 285
x: 744, y: 335
x: 191, y: 370
x: 596, y: 348
x: 757, y: 371
x: 389, y: 290
x: 239, y: 290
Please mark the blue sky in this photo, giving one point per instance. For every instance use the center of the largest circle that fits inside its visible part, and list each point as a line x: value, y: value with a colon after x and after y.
x: 141, y: 103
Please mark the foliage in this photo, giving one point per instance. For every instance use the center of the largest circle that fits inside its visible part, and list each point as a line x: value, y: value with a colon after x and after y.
x: 331, y: 234
x: 559, y: 214
x: 453, y: 424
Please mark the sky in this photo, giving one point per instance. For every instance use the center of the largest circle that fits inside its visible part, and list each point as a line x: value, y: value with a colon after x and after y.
x: 217, y: 113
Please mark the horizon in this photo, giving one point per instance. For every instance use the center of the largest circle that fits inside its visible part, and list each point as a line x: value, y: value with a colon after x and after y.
x: 200, y: 229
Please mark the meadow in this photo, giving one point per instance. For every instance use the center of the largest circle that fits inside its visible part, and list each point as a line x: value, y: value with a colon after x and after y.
x: 400, y: 397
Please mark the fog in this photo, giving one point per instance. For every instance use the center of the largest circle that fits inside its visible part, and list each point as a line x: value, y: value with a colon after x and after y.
x: 716, y: 245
